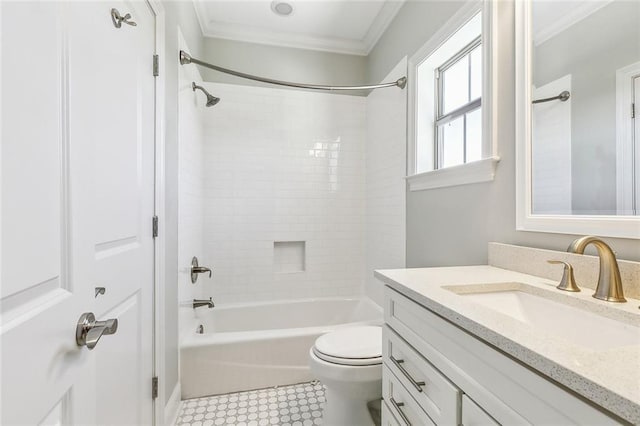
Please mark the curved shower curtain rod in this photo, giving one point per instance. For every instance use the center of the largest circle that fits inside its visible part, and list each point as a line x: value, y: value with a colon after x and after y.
x: 185, y: 58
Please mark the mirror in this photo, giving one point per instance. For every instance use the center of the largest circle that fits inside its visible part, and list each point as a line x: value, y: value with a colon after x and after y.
x: 579, y: 75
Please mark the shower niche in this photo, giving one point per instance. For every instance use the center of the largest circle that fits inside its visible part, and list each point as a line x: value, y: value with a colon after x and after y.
x: 289, y: 256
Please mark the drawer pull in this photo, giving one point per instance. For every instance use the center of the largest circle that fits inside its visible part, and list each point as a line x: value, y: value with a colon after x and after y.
x: 398, y: 363
x: 398, y: 406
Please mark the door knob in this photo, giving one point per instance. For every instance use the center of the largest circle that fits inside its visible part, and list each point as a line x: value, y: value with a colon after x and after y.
x: 89, y: 331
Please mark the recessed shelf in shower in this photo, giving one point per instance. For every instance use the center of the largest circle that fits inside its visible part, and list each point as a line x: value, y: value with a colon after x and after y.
x: 288, y: 256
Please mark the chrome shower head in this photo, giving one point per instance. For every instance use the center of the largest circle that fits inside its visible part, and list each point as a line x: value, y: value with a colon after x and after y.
x: 211, y: 100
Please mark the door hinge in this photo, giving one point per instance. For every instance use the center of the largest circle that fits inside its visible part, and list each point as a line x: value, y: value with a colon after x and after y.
x: 155, y: 226
x: 156, y: 65
x: 633, y: 110
x: 154, y: 387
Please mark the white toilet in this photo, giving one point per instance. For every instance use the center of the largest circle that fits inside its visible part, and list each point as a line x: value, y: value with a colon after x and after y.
x: 349, y: 363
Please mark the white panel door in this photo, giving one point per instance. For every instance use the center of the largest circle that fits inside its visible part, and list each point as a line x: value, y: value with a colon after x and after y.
x: 77, y: 204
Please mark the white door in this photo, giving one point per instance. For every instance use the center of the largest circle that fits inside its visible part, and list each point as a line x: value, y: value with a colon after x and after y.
x: 77, y: 204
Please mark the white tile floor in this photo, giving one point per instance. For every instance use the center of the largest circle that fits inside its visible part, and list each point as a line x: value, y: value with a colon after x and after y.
x: 292, y: 405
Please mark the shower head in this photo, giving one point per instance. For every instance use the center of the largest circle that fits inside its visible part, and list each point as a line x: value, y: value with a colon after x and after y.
x: 211, y: 100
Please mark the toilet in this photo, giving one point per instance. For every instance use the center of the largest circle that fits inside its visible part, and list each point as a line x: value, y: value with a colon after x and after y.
x: 349, y: 363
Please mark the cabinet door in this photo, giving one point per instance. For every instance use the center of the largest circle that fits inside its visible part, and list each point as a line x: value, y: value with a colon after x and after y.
x: 472, y: 415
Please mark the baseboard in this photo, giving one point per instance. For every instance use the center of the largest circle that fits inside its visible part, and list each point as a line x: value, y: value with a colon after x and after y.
x: 172, y: 408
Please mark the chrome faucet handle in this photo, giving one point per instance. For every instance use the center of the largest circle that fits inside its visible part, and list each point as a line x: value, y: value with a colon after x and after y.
x: 568, y: 281
x: 203, y: 302
x: 201, y: 270
x: 196, y: 269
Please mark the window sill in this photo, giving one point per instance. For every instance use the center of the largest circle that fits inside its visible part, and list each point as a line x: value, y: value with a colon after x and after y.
x: 464, y: 174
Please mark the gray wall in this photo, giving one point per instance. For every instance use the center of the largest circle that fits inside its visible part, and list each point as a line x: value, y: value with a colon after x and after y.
x: 176, y: 14
x: 591, y: 51
x: 414, y: 24
x: 281, y: 63
x: 451, y: 226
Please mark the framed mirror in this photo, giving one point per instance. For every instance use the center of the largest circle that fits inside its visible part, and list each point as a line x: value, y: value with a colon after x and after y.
x: 577, y: 125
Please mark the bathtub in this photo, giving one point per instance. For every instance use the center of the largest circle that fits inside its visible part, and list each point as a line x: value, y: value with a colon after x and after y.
x: 258, y: 345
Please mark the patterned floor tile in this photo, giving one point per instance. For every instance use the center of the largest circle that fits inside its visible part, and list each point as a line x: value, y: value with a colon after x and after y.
x: 292, y: 405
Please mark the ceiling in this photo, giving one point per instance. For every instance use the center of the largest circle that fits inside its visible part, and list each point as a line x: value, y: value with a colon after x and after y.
x: 341, y: 26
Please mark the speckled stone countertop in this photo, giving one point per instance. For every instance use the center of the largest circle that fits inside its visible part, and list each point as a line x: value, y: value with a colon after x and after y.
x: 609, y: 378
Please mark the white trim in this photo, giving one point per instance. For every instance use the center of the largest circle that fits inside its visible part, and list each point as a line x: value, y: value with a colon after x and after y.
x: 172, y: 409
x: 475, y: 172
x: 624, y: 136
x: 578, y: 12
x: 159, y: 210
x: 489, y: 84
x: 490, y: 30
x: 380, y: 24
x: 607, y: 226
x: 246, y: 33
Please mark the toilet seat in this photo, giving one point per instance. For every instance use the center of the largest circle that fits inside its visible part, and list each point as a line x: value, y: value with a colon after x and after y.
x: 355, y: 346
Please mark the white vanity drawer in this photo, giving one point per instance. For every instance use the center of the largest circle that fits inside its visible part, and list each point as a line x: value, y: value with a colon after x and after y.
x: 387, y: 416
x: 472, y: 415
x: 437, y: 396
x: 400, y: 403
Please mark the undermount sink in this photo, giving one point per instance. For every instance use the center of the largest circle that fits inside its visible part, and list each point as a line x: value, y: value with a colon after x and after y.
x: 536, y: 308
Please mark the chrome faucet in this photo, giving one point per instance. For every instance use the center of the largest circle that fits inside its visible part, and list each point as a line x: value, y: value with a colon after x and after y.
x: 609, y: 282
x: 196, y: 269
x: 203, y: 302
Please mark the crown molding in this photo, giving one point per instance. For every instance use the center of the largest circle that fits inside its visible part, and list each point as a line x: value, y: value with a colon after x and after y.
x: 575, y: 15
x: 380, y: 24
x: 245, y: 33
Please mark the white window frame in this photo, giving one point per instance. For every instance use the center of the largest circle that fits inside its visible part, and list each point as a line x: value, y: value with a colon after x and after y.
x: 476, y: 171
x: 442, y: 118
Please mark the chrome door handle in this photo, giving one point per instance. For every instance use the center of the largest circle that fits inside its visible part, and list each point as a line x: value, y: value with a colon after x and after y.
x: 416, y: 384
x: 89, y: 331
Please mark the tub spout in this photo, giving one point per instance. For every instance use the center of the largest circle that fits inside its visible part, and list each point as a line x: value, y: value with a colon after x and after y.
x: 197, y: 303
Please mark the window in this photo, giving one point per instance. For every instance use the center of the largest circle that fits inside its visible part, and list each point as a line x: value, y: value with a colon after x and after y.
x: 458, y: 108
x: 450, y: 134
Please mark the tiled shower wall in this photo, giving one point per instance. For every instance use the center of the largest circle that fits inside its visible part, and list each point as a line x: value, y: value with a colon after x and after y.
x: 284, y: 166
x: 386, y: 187
x: 191, y: 183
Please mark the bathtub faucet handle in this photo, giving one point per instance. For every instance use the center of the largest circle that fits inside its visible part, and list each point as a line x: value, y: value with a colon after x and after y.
x: 197, y: 303
x: 201, y: 270
x: 196, y: 269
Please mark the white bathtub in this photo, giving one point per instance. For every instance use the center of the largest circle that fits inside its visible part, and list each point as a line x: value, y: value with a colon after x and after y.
x: 258, y: 345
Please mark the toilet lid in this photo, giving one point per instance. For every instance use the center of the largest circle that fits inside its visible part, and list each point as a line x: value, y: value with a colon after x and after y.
x: 351, y: 346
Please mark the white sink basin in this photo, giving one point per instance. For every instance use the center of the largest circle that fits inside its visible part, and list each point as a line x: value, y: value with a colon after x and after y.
x: 579, y: 326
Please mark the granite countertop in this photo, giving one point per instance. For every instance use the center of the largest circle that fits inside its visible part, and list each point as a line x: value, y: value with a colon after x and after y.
x: 609, y: 378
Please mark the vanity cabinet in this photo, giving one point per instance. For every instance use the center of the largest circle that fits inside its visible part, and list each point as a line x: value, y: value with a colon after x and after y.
x: 434, y: 372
